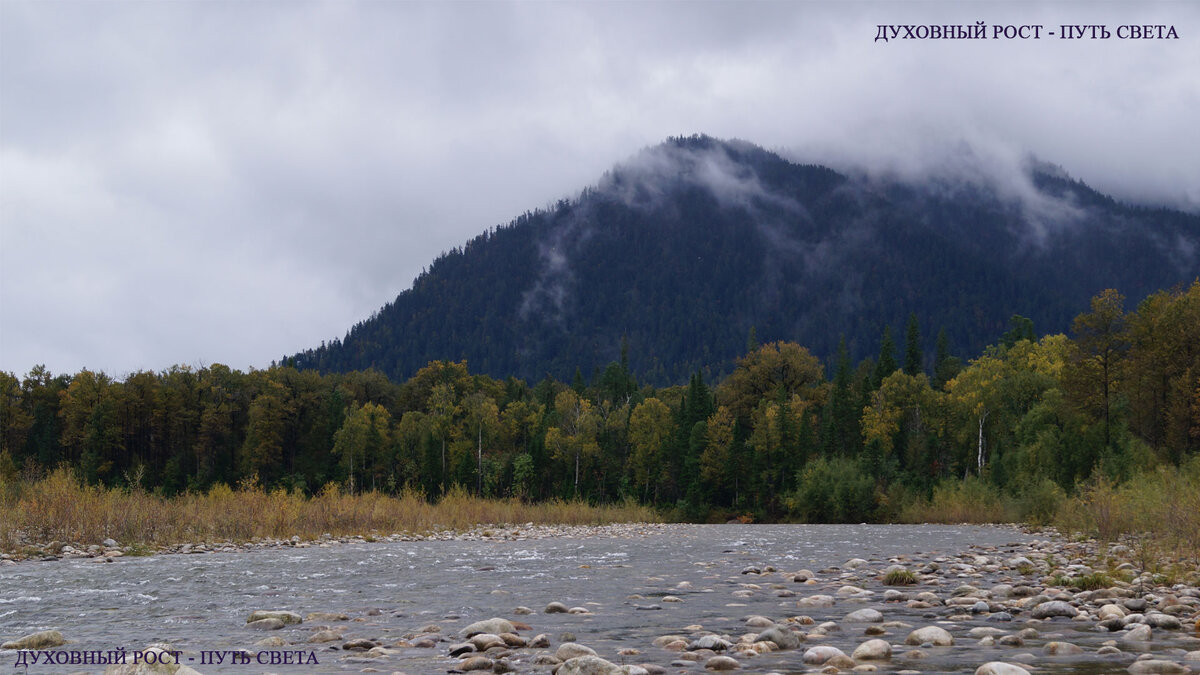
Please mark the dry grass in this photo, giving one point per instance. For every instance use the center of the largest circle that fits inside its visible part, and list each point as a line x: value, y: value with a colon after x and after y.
x: 1161, y: 508
x: 970, y: 501
x: 59, y: 508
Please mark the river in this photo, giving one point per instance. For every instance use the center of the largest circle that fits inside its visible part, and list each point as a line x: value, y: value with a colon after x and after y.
x: 199, y: 603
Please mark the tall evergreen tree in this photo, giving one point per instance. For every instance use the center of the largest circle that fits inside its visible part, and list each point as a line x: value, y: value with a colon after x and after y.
x: 887, y: 358
x: 945, y: 366
x: 841, y: 420
x: 913, y: 358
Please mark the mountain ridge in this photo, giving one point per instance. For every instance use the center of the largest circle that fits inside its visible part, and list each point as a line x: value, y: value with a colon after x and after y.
x: 797, y: 252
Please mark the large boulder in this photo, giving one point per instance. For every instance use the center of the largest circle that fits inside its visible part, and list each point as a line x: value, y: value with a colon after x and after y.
x: 288, y: 618
x: 494, y: 626
x: 1053, y: 608
x: 43, y: 640
x: 934, y: 635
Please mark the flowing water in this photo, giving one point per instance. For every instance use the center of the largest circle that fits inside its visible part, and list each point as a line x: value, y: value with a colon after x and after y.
x: 199, y: 603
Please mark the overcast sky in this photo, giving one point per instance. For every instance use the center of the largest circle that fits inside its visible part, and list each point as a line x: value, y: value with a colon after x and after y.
x: 202, y: 182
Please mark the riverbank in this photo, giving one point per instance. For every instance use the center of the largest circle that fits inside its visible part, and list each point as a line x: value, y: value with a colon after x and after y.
x: 58, y: 510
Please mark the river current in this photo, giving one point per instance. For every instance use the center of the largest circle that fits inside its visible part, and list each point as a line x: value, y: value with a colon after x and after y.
x: 200, y: 603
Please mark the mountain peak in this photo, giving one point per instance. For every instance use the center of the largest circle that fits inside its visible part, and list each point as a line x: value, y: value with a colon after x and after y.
x: 687, y: 245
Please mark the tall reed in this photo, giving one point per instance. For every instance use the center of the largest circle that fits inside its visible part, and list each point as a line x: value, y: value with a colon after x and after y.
x: 60, y: 508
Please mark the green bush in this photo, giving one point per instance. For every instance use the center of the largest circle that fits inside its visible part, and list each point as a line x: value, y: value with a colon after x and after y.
x: 837, y: 490
x: 1038, y: 503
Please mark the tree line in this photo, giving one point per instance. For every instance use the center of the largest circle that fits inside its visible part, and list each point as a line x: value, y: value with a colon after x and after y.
x: 778, y: 438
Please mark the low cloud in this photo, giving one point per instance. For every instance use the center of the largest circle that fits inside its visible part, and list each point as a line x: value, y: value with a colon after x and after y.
x: 200, y: 182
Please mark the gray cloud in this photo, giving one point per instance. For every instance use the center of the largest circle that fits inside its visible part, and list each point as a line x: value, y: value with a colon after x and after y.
x: 196, y: 182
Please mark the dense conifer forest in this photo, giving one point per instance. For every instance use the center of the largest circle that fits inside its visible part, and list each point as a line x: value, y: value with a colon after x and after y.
x: 686, y: 248
x: 782, y: 436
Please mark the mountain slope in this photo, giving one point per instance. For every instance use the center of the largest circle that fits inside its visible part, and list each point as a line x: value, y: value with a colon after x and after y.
x: 685, y: 247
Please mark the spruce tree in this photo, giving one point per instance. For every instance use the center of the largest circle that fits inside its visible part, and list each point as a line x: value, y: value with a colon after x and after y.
x: 912, y: 347
x: 887, y: 358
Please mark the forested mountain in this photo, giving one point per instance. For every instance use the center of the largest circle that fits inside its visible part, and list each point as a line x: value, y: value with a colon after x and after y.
x: 688, y: 248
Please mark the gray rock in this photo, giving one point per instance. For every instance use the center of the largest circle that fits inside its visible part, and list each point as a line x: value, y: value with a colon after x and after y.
x: 816, y: 601
x: 495, y: 626
x: 589, y: 665
x: 1156, y: 666
x: 324, y: 636
x: 822, y: 653
x: 722, y: 663
x: 110, y: 543
x: 1139, y: 633
x: 712, y: 642
x: 265, y: 624
x: 1053, y: 608
x: 782, y: 636
x: 1061, y: 648
x: 1165, y: 621
x: 865, y: 615
x: 571, y: 650
x: 1000, y: 668
x: 872, y: 650
x: 41, y: 640
x: 288, y: 618
x: 935, y: 635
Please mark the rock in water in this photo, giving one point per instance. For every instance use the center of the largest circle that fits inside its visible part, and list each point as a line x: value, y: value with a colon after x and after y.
x: 495, y: 626
x: 933, y: 634
x: 780, y: 635
x: 164, y: 664
x: 1156, y: 667
x: 821, y: 654
x: 42, y: 640
x: 866, y: 615
x: 288, y: 618
x: 1061, y: 648
x: 589, y: 665
x: 722, y: 663
x: 1000, y: 668
x: 872, y: 650
x: 1053, y: 608
x: 570, y: 650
